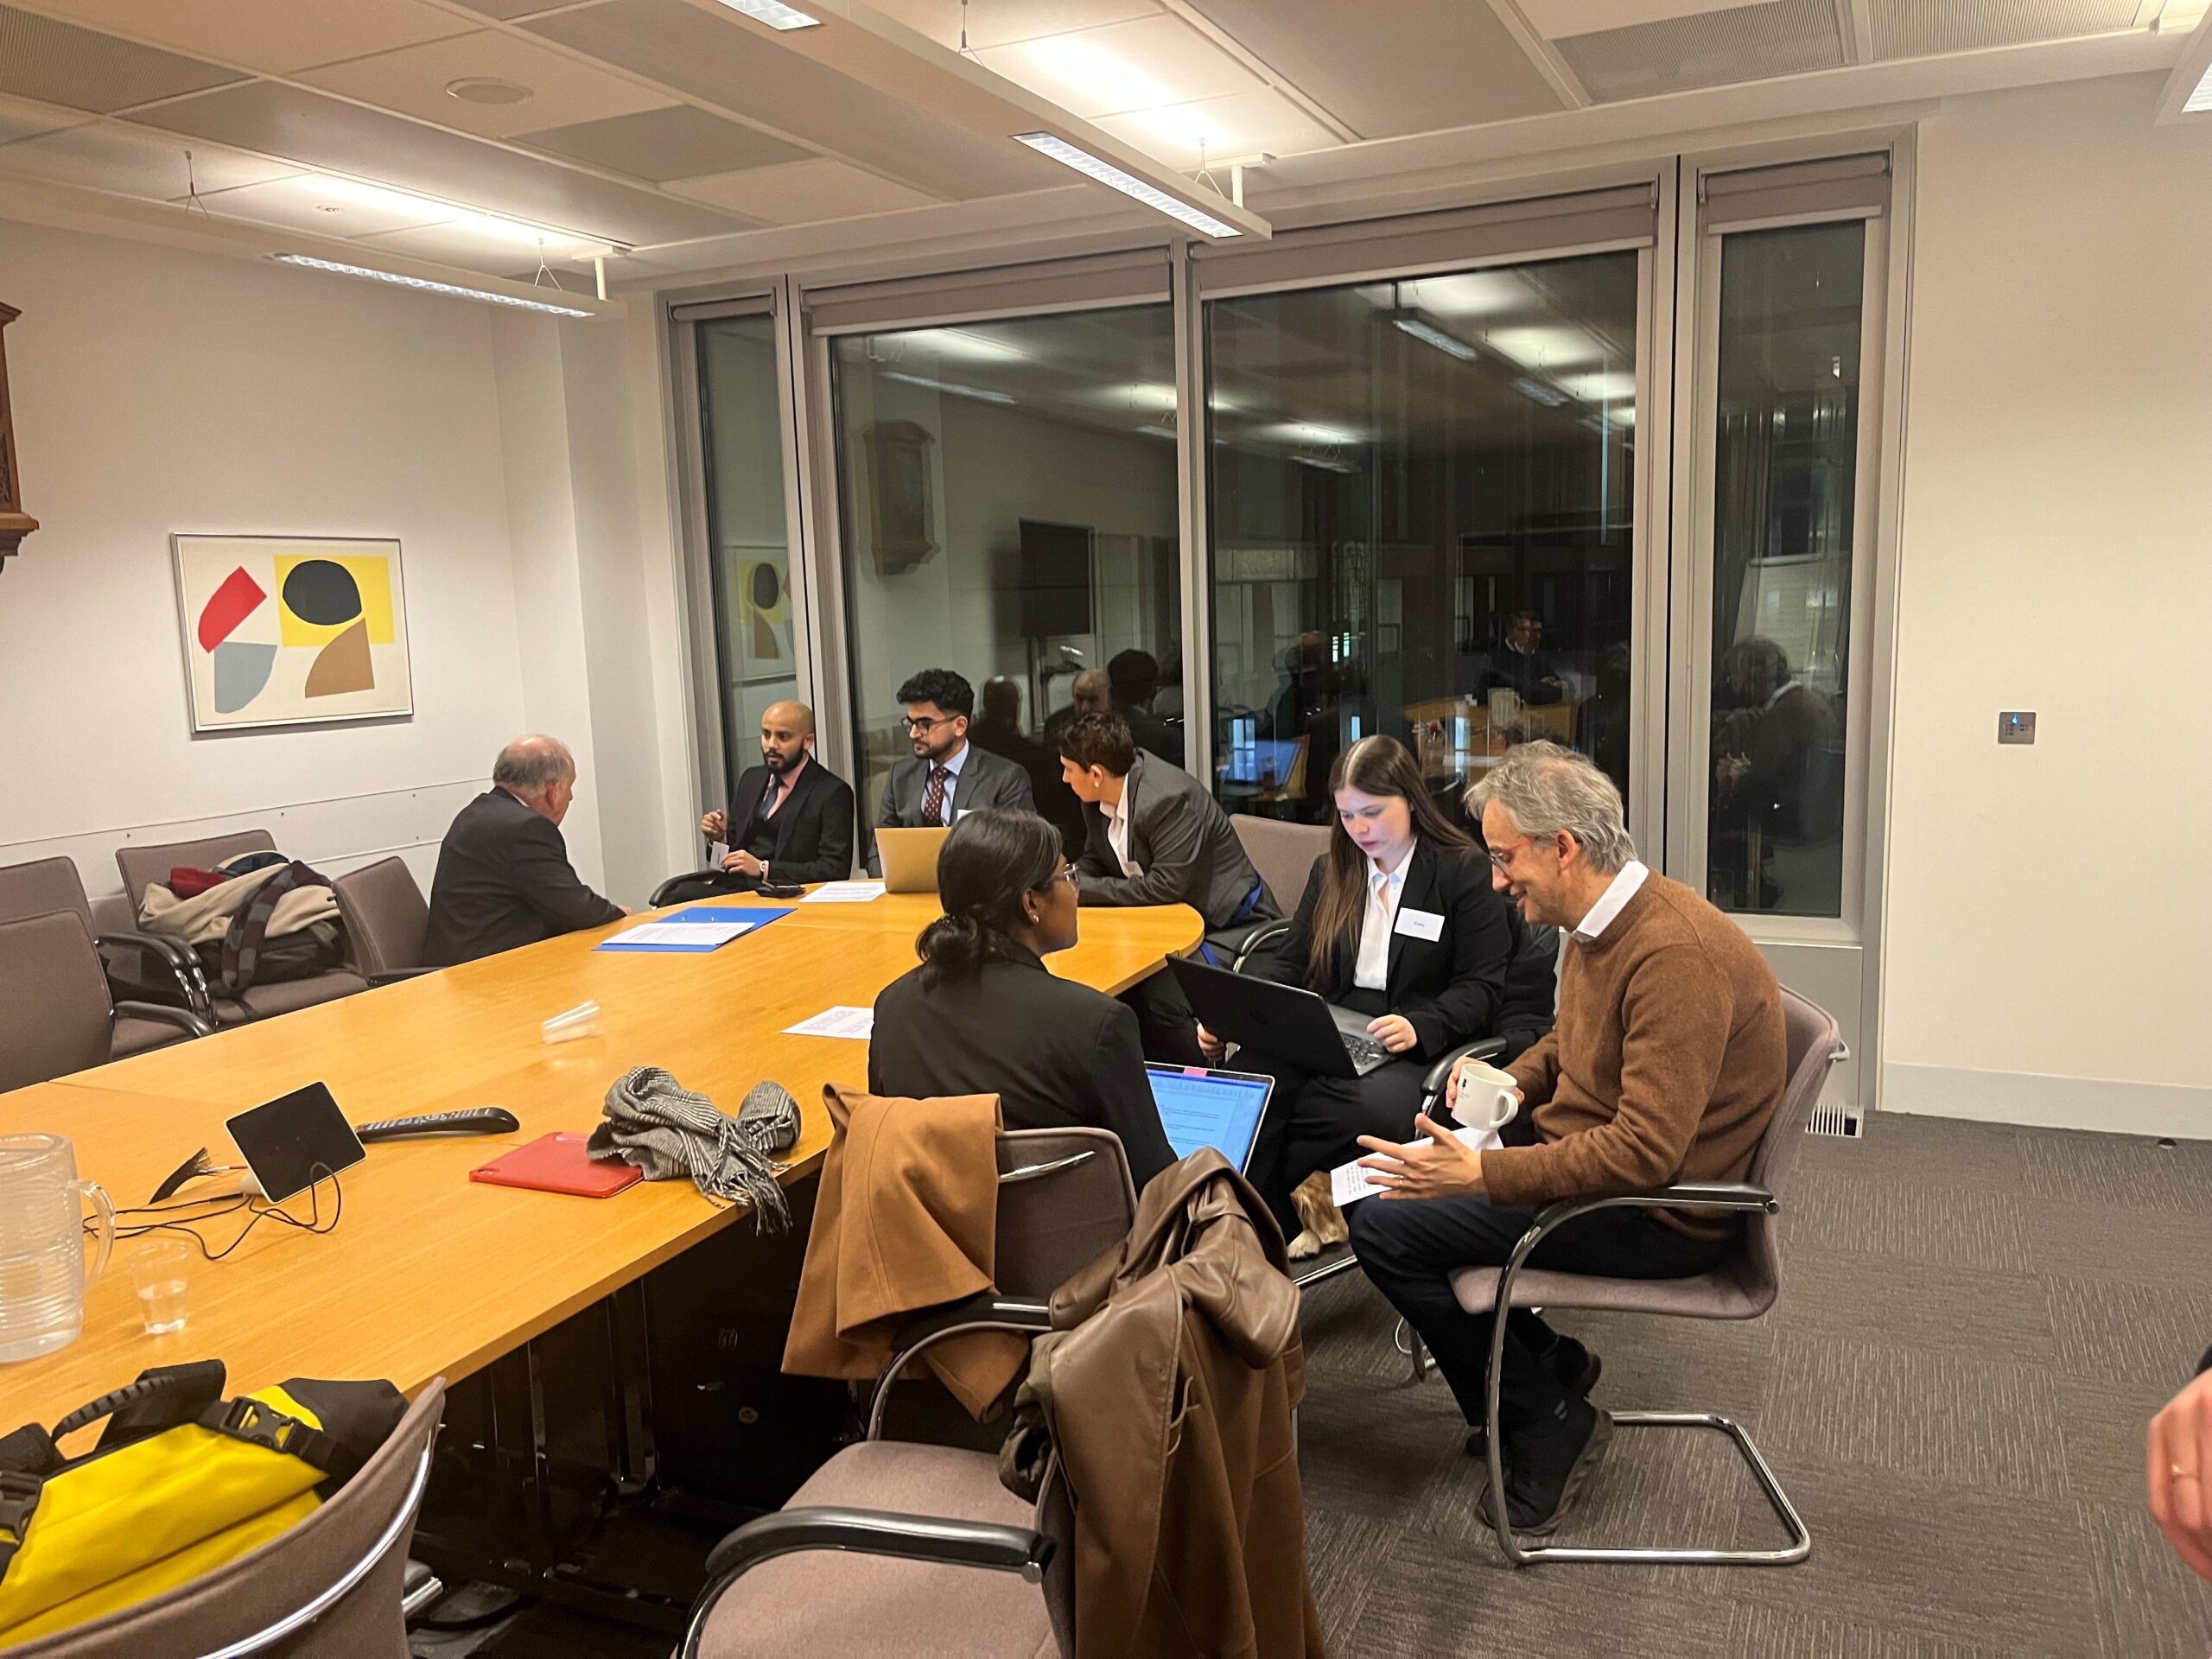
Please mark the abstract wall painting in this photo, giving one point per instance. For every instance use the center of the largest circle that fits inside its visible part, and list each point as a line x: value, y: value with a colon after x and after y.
x: 292, y: 631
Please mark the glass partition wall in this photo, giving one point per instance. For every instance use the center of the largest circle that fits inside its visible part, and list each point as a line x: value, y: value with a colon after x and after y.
x: 1421, y: 517
x: 1007, y: 508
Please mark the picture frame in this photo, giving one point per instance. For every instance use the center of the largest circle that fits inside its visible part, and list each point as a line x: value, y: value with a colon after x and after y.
x: 292, y: 629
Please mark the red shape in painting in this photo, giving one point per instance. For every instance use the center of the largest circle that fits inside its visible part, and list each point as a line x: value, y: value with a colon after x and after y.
x: 238, y: 597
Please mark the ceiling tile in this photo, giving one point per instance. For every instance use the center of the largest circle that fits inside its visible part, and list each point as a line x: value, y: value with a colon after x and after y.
x: 1240, y: 125
x: 310, y: 201
x: 1413, y: 66
x: 802, y: 193
x: 721, y: 61
x: 24, y: 117
x: 513, y: 8
x: 1715, y: 48
x: 1135, y: 66
x: 1001, y: 22
x: 1912, y: 28
x: 413, y: 81
x: 342, y: 137
x: 277, y: 37
x: 1556, y: 19
x: 59, y: 63
x: 680, y: 142
x: 128, y: 160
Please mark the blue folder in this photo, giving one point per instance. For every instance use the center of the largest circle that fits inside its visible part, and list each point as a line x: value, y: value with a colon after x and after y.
x: 760, y: 916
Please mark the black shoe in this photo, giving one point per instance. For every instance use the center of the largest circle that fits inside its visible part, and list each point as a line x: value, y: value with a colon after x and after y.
x: 1545, y: 1473
x: 1573, y: 1366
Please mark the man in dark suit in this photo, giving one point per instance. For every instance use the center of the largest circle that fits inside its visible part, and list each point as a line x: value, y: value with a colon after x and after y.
x: 1134, y: 678
x: 1152, y: 836
x: 1000, y: 730
x: 790, y: 818
x: 948, y: 774
x: 504, y: 878
x: 1522, y: 665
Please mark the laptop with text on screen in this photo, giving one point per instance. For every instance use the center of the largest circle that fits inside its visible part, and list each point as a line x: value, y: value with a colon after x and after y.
x: 1199, y: 1107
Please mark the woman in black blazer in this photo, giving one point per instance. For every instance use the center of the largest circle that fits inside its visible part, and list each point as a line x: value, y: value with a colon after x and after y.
x: 1399, y: 922
x: 982, y: 1015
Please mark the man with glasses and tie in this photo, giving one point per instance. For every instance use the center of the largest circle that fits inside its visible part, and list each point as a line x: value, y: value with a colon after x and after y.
x: 948, y: 775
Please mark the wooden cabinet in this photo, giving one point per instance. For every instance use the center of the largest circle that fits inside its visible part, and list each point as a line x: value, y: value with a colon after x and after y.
x: 14, y: 523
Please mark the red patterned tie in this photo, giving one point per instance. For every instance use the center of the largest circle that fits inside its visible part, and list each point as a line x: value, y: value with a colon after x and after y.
x: 933, y: 799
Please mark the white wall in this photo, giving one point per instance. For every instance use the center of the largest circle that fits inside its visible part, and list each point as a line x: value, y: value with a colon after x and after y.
x: 2050, y: 908
x: 157, y: 391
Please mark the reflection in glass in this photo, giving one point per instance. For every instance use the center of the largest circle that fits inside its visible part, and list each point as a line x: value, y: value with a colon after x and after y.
x: 1420, y: 523
x: 749, y: 550
x: 1007, y: 510
x: 1785, y: 473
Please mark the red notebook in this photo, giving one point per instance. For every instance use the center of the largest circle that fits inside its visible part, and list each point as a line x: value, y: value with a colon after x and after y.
x: 558, y: 1163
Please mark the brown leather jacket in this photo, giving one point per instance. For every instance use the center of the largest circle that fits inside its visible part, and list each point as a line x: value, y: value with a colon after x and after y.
x: 1169, y: 1385
x: 906, y: 1218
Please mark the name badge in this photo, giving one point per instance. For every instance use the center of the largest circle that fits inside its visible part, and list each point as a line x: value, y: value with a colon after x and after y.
x: 1420, y: 923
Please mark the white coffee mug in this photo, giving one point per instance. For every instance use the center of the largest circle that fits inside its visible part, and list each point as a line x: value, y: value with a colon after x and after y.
x: 1488, y: 1099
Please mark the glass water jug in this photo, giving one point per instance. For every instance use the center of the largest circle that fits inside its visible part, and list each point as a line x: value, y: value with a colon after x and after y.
x: 42, y: 1273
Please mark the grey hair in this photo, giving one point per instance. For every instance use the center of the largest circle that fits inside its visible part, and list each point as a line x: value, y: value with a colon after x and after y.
x: 1548, y: 790
x: 532, y: 762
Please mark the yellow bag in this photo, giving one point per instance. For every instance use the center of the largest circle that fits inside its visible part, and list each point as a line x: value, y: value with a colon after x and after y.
x: 181, y: 1482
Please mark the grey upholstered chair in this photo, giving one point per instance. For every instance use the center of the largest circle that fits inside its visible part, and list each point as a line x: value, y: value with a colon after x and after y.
x: 1742, y: 1287
x: 1283, y: 853
x: 894, y: 1531
x: 141, y: 867
x: 332, y: 1587
x: 387, y: 921
x: 158, y: 967
x: 56, y: 1015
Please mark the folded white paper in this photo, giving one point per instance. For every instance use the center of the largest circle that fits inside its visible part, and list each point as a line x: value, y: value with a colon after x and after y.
x: 844, y: 892
x: 858, y: 1023
x: 1349, y: 1183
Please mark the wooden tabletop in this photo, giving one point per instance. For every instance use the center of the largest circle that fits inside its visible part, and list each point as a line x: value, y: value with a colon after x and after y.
x: 428, y: 1272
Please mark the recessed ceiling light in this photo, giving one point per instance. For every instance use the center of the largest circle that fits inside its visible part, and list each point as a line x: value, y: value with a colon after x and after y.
x: 775, y: 13
x: 486, y: 89
x: 427, y: 286
x: 1129, y: 184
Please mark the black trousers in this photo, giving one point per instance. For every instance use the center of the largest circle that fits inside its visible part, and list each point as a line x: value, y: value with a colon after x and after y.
x: 1166, y: 1025
x: 1410, y: 1246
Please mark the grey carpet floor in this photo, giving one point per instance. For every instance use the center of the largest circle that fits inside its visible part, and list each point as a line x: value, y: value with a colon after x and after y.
x: 1976, y: 1324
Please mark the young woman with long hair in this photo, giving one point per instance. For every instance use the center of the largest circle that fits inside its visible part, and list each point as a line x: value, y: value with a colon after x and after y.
x: 1398, y: 923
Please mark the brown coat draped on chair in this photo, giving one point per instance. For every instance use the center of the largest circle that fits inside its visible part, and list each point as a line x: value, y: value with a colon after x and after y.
x: 1169, y: 1385
x: 907, y: 1219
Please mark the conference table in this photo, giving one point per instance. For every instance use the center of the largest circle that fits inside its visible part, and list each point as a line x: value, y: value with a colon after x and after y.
x: 427, y: 1273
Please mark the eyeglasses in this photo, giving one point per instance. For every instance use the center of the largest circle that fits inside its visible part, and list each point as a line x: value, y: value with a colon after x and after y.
x: 1065, y: 872
x: 1502, y: 856
x: 924, y: 723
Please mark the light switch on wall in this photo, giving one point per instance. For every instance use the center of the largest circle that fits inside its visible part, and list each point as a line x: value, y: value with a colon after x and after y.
x: 2016, y: 726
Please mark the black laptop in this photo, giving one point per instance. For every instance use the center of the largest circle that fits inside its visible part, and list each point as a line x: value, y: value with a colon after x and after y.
x: 1285, y: 1020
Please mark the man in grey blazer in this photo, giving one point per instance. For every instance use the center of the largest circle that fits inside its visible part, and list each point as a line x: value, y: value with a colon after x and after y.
x: 948, y: 774
x: 1153, y: 836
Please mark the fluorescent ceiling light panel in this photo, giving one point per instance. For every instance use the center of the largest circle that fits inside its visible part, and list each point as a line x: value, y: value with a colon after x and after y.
x: 1309, y: 432
x: 1430, y: 334
x: 1612, y: 386
x: 1549, y: 396
x: 1473, y: 293
x: 981, y: 394
x: 1547, y: 349
x: 428, y: 287
x: 1129, y: 184
x: 775, y: 13
x: 2200, y: 99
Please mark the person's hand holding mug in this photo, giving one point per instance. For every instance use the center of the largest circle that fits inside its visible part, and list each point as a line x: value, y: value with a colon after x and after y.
x: 1490, y: 1103
x: 2180, y: 1464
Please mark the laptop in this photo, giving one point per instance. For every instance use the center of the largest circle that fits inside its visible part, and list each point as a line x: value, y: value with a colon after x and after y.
x: 1287, y: 1021
x: 1199, y: 1107
x: 910, y: 858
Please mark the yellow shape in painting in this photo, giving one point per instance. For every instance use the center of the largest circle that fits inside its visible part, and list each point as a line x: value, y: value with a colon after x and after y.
x: 372, y: 573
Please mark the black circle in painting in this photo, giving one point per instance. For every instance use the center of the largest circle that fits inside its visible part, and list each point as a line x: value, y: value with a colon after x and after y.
x: 767, y: 588
x: 322, y: 592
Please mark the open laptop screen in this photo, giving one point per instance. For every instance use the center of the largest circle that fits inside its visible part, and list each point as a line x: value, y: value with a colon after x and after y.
x: 1201, y: 1107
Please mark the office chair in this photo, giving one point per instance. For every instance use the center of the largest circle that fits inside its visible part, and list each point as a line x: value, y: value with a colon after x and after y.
x: 159, y: 966
x: 892, y: 1528
x: 387, y: 923
x: 1742, y: 1287
x: 56, y: 1013
x: 337, y: 1586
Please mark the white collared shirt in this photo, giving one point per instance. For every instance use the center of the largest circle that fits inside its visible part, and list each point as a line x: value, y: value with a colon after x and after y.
x: 1117, y: 828
x: 1384, y: 889
x: 1612, y: 901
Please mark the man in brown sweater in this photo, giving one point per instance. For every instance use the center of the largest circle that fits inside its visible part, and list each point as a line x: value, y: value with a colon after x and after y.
x: 1665, y: 1064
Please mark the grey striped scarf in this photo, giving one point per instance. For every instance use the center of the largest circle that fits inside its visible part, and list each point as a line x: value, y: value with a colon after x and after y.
x: 667, y: 1131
